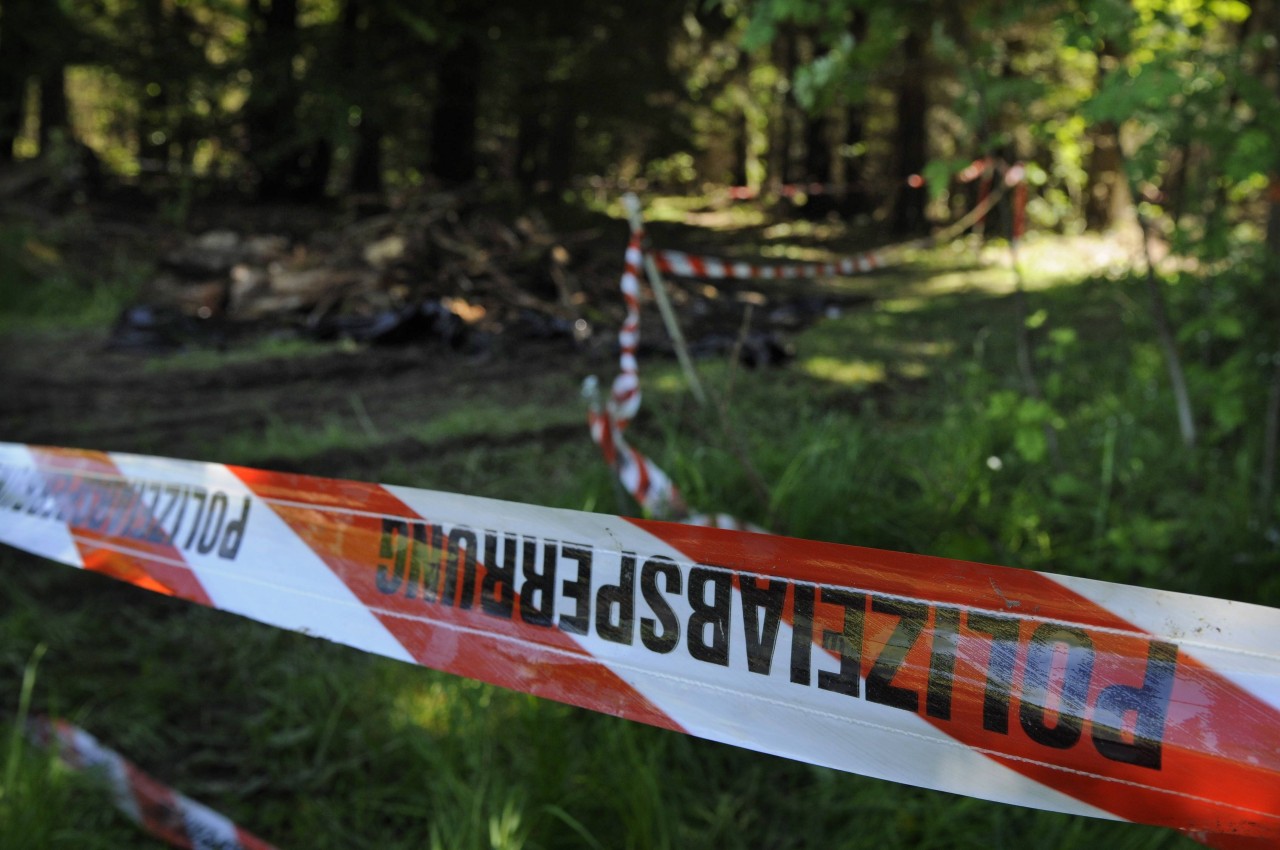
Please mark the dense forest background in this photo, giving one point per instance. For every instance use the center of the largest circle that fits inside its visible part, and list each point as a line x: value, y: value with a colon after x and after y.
x: 303, y: 100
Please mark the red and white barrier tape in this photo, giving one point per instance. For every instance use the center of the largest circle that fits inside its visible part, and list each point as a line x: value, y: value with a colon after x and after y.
x: 154, y: 806
x: 1042, y: 690
x: 701, y: 267
x: 971, y: 172
x: 640, y: 477
x: 643, y: 479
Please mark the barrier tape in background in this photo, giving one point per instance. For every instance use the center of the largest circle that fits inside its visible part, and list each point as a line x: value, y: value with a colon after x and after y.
x: 1048, y: 691
x: 684, y: 264
x: 157, y: 808
x: 700, y: 267
x: 652, y: 488
x: 646, y: 482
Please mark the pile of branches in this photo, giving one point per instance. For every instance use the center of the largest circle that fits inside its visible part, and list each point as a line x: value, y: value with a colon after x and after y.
x: 448, y: 265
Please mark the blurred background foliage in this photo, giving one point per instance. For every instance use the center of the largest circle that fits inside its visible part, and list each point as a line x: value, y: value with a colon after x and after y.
x: 310, y: 99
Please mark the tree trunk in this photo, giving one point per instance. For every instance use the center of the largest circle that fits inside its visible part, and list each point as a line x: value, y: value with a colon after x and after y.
x: 357, y: 52
x: 817, y: 150
x: 1273, y: 225
x: 1271, y: 257
x: 562, y: 144
x: 287, y: 166
x: 1107, y: 198
x: 153, y: 140
x: 366, y: 170
x: 821, y: 202
x: 1168, y: 344
x: 780, y: 137
x: 741, y: 151
x: 855, y: 198
x: 1271, y: 423
x: 1271, y: 437
x: 913, y: 104
x: 153, y: 108
x: 15, y: 64
x: 453, y: 121
x: 53, y: 107
x: 530, y: 138
x: 742, y: 128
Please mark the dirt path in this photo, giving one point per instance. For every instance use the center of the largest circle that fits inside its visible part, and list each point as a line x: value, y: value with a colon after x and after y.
x: 68, y: 390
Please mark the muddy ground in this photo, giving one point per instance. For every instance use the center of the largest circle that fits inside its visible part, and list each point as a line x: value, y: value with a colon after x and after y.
x: 222, y: 377
x: 69, y: 390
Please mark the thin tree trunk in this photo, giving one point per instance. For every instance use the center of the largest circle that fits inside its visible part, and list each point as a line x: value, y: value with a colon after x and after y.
x: 910, y: 136
x: 741, y: 150
x: 1107, y: 193
x: 780, y: 122
x: 366, y: 172
x: 1168, y: 344
x: 817, y: 167
x: 1271, y: 424
x: 14, y: 65
x: 817, y: 150
x: 1271, y: 429
x: 855, y: 198
x: 358, y: 51
x: 1026, y: 359
x: 453, y: 121
x: 742, y: 126
x: 530, y: 137
x: 153, y: 123
x: 562, y: 144
x: 273, y: 97
x: 53, y: 106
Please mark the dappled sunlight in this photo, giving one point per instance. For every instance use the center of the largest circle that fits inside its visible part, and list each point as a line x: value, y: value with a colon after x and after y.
x: 732, y: 218
x: 963, y: 267
x: 908, y: 359
x: 1051, y: 260
x: 430, y: 706
x: 695, y: 211
x: 824, y: 231
x: 849, y: 372
x: 796, y: 253
x: 450, y: 706
x: 667, y: 382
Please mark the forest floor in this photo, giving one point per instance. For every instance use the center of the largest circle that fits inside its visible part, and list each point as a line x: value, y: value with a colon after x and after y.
x: 877, y: 427
x: 332, y: 407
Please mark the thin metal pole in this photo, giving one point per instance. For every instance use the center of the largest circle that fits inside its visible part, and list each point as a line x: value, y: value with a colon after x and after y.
x: 632, y: 205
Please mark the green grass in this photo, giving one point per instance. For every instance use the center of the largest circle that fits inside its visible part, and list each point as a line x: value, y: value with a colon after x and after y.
x: 40, y: 291
x: 314, y: 745
x: 259, y: 350
x: 901, y: 426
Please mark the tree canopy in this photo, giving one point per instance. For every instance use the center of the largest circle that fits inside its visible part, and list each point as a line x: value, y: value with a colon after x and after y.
x: 302, y: 99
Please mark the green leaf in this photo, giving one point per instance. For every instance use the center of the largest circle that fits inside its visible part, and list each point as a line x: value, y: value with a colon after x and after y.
x: 938, y: 174
x: 1031, y: 443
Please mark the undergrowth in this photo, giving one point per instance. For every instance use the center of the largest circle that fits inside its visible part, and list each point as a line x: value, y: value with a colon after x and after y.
x: 41, y: 289
x: 903, y: 425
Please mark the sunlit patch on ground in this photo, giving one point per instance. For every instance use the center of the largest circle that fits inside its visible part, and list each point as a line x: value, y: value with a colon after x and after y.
x: 848, y: 372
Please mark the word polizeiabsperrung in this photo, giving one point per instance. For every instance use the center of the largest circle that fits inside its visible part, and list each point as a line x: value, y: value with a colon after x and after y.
x: 1049, y: 691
